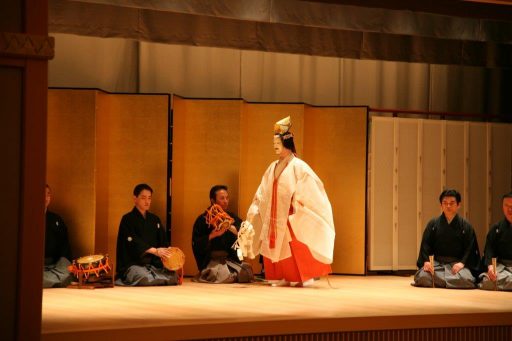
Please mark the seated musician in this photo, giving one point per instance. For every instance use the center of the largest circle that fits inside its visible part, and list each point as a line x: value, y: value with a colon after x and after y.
x: 142, y: 244
x: 499, y: 245
x: 216, y: 260
x: 452, y: 241
x: 57, y: 252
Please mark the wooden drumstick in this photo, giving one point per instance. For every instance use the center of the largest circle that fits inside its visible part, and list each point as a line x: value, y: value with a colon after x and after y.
x: 494, y: 266
x: 431, y: 260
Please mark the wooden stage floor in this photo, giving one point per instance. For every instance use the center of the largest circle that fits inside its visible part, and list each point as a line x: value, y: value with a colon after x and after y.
x: 198, y: 311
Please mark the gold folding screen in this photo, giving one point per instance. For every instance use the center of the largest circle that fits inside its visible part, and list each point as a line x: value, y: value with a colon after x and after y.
x: 412, y: 161
x: 230, y: 142
x: 100, y: 146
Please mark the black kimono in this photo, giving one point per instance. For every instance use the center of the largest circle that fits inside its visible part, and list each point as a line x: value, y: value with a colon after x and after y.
x: 498, y: 245
x: 203, y: 247
x: 56, y: 243
x: 57, y: 252
x: 136, y: 235
x: 449, y: 243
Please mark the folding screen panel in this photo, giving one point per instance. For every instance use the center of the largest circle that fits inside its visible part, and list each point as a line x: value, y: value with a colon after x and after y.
x: 476, y: 199
x: 501, y: 149
x: 432, y: 169
x: 335, y: 147
x: 412, y: 160
x: 70, y: 164
x: 457, y: 160
x: 206, y: 152
x: 406, y: 199
x: 100, y: 146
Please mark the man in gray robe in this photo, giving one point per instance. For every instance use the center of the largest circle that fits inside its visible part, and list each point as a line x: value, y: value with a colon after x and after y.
x: 452, y: 241
x: 141, y: 244
x: 499, y: 245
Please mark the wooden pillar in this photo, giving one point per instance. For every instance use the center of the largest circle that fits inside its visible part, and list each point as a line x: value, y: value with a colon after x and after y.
x: 24, y: 55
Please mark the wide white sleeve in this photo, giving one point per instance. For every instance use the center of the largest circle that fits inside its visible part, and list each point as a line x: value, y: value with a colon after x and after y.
x: 312, y: 221
x: 257, y: 207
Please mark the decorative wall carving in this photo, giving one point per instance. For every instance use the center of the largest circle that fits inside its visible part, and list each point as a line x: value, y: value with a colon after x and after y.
x: 26, y: 46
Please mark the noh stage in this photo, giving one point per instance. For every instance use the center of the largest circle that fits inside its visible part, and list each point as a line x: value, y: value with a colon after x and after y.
x: 347, y: 308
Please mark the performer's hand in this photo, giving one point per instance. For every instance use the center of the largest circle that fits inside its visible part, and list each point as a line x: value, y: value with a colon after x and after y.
x: 491, y: 273
x: 233, y: 230
x: 163, y: 252
x: 216, y: 233
x: 457, y: 267
x: 427, y: 267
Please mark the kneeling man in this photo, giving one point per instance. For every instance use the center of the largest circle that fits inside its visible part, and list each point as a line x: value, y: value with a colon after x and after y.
x: 499, y: 246
x: 452, y: 241
x: 141, y: 245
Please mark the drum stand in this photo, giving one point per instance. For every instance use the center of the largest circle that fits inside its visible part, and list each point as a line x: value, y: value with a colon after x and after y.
x: 104, y: 281
x: 96, y: 278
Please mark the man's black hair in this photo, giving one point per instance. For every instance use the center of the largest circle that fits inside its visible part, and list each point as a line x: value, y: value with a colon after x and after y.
x: 140, y: 187
x: 450, y: 193
x: 215, y: 189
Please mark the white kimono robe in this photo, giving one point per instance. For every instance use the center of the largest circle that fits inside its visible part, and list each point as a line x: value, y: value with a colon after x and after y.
x: 311, y: 221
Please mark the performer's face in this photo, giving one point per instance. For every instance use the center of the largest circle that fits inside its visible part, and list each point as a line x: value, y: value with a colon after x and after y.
x: 222, y: 199
x: 278, y: 145
x: 48, y: 197
x: 143, y: 200
x: 449, y: 206
x: 507, y: 209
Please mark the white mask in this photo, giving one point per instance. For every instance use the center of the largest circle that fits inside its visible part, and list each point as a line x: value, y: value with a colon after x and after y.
x: 278, y: 145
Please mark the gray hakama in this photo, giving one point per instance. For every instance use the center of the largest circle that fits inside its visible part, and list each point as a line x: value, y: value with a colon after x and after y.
x: 147, y: 275
x: 57, y: 275
x: 444, y: 278
x: 504, y: 280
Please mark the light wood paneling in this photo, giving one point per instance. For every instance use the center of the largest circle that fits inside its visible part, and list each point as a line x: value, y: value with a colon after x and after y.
x: 432, y: 174
x: 431, y: 155
x: 335, y: 147
x: 501, y: 147
x: 455, y: 160
x: 477, y: 198
x: 381, y: 207
x: 407, y: 194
